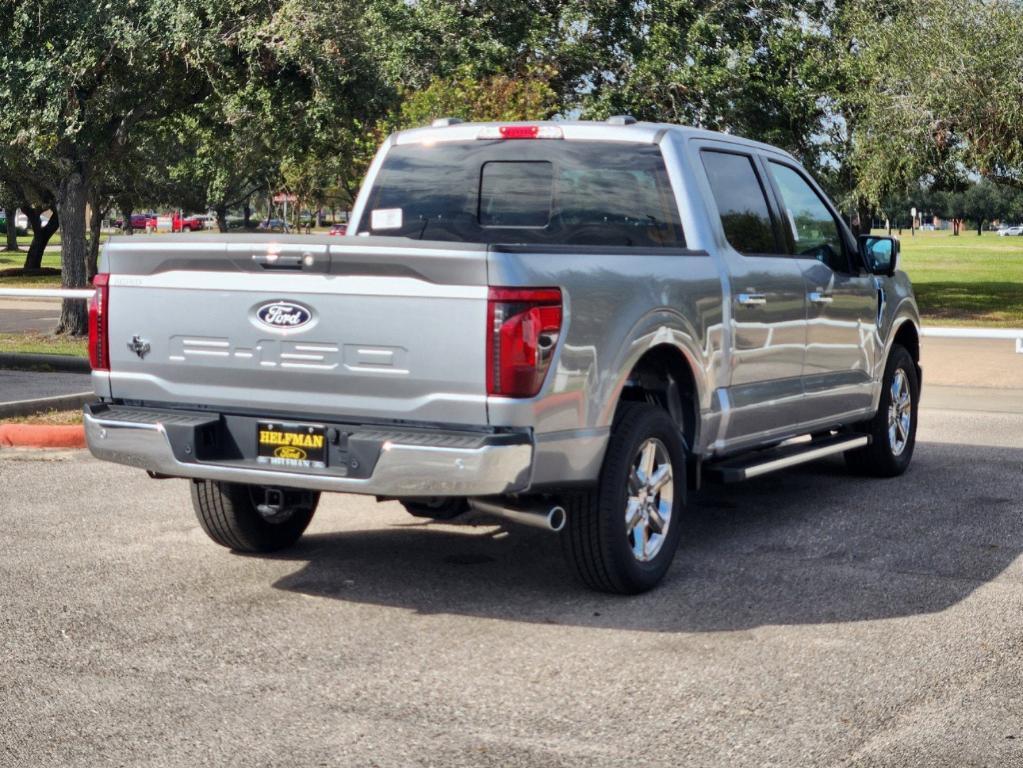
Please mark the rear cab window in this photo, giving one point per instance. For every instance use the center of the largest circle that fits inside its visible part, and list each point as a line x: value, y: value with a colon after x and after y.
x: 544, y: 191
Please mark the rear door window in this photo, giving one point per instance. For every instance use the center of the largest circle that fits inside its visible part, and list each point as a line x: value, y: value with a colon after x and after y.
x: 741, y: 202
x: 537, y: 191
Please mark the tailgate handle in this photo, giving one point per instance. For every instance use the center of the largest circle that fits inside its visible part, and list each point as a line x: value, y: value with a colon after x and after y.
x: 284, y: 260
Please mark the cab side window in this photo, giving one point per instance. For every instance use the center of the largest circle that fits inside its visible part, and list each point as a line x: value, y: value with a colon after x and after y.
x: 741, y: 202
x: 814, y: 230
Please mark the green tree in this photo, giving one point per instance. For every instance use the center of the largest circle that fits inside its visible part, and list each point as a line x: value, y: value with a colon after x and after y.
x: 526, y: 96
x: 75, y: 81
x: 986, y: 201
x: 943, y: 96
x: 754, y: 71
x: 35, y: 202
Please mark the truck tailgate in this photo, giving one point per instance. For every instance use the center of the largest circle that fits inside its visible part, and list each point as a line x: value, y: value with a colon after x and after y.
x: 382, y: 329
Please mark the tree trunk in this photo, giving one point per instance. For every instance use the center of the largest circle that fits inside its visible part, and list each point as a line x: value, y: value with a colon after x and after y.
x: 12, y: 226
x: 221, y: 218
x: 71, y: 196
x: 980, y: 226
x: 95, y: 224
x: 247, y: 211
x: 861, y: 225
x: 41, y: 234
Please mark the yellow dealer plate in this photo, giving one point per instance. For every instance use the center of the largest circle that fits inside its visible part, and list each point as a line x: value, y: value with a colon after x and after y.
x: 291, y: 445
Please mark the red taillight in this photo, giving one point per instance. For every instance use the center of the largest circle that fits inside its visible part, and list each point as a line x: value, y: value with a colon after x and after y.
x: 99, y: 336
x: 519, y: 131
x: 522, y: 332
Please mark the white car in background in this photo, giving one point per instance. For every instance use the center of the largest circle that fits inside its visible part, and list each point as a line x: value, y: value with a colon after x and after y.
x: 1013, y: 231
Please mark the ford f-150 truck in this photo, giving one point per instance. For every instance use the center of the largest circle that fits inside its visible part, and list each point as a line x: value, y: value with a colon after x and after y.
x: 568, y: 324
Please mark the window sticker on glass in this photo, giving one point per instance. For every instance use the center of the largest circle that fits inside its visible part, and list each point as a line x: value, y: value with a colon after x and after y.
x: 385, y: 218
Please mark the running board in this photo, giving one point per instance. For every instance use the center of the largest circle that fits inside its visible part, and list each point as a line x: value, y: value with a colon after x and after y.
x: 748, y: 466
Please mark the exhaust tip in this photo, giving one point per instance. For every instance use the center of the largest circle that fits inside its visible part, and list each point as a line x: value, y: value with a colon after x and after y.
x: 556, y: 518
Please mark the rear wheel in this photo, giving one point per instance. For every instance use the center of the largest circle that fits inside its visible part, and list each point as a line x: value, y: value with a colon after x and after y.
x: 622, y: 536
x: 246, y: 518
x: 893, y: 429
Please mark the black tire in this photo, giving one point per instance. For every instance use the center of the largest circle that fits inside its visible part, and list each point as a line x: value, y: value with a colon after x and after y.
x: 228, y: 514
x: 595, y: 540
x: 436, y: 507
x: 881, y: 458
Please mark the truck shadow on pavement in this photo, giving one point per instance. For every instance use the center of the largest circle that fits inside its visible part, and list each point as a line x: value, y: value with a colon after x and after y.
x: 808, y: 546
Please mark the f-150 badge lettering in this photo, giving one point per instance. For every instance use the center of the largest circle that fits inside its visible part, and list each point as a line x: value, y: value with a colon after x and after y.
x: 283, y: 315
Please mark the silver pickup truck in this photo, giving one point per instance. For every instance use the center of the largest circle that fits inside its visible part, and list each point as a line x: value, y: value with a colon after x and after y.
x: 565, y: 324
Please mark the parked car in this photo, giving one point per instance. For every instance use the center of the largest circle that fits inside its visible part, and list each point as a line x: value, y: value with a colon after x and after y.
x: 578, y: 361
x: 338, y: 229
x: 1016, y: 231
x: 273, y: 225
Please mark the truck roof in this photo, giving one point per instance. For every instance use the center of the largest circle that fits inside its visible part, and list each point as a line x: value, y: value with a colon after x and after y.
x: 580, y: 130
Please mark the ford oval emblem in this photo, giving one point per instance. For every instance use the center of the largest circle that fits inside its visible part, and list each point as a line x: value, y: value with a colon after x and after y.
x: 284, y: 315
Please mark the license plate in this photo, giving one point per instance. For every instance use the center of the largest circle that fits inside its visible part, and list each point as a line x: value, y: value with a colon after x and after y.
x: 291, y: 445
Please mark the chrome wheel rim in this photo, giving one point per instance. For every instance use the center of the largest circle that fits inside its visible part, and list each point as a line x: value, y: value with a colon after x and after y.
x: 650, y: 501
x: 900, y: 413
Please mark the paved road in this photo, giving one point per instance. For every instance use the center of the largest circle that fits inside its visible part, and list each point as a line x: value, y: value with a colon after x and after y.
x: 811, y: 619
x: 29, y: 385
x: 21, y: 316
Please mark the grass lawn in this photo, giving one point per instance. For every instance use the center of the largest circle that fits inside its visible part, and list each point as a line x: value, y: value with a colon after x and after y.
x: 26, y: 239
x: 44, y: 344
x: 966, y: 280
x: 15, y: 260
x: 39, y: 281
x: 10, y: 259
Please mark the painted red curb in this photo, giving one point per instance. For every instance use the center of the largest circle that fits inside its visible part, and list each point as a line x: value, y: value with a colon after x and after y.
x: 42, y: 436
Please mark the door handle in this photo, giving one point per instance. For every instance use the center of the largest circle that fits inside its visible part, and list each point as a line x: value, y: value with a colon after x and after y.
x: 819, y: 297
x: 752, y: 299
x: 278, y: 260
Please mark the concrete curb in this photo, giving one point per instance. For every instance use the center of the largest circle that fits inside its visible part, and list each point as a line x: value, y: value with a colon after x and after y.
x: 41, y: 436
x: 16, y: 361
x: 16, y: 408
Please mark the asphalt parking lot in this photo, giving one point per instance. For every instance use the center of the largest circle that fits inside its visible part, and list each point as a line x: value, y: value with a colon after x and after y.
x: 810, y: 619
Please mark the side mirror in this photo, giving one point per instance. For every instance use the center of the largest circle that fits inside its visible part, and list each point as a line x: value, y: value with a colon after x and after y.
x: 881, y: 254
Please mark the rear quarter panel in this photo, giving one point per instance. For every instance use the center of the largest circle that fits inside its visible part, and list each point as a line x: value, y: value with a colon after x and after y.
x: 619, y: 304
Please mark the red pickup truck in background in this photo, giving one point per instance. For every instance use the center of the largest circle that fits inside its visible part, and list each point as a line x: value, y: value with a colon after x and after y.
x: 140, y: 221
x: 194, y: 223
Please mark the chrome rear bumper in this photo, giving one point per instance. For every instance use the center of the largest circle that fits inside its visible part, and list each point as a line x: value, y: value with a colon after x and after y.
x: 409, y: 464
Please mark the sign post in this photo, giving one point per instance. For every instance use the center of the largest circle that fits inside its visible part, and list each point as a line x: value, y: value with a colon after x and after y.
x: 284, y: 198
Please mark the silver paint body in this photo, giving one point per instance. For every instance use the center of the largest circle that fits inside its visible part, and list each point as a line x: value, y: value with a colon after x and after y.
x: 398, y: 330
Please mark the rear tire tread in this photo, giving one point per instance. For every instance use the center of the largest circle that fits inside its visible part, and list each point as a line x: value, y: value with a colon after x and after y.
x: 587, y: 541
x: 229, y: 517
